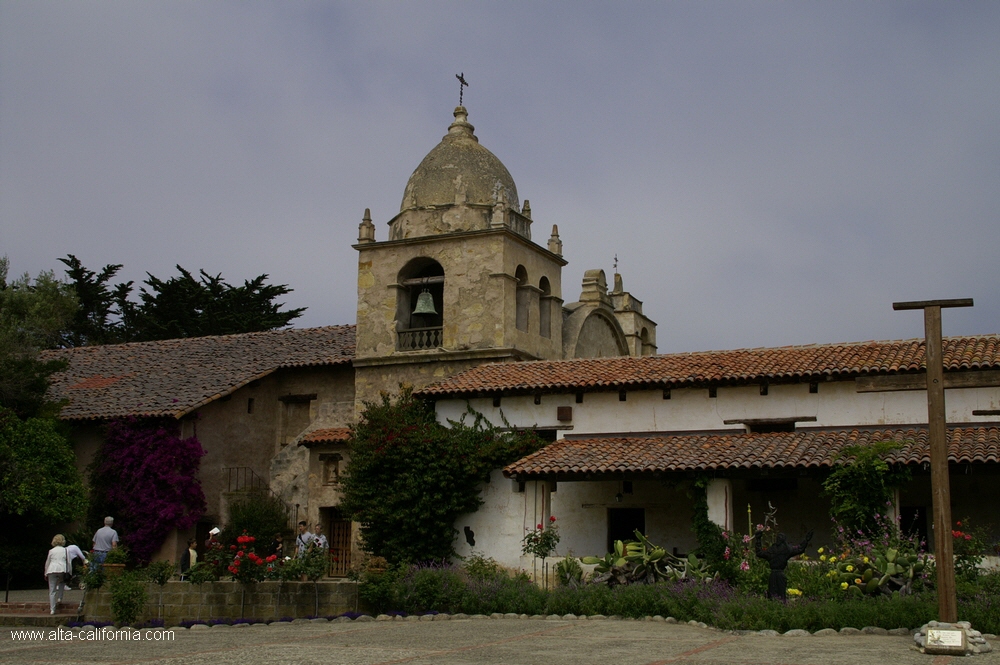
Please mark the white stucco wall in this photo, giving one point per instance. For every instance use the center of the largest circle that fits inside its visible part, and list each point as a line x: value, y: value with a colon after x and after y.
x: 499, y: 524
x: 837, y: 404
x: 582, y: 508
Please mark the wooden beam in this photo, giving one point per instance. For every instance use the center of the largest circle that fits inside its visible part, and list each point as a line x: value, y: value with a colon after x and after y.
x: 986, y: 412
x: 940, y: 482
x: 934, y: 383
x: 894, y: 382
x: 923, y: 304
x: 769, y: 421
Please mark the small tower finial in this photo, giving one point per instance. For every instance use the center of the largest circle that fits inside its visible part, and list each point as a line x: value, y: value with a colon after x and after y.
x: 462, y: 85
x: 366, y: 230
x: 555, y: 244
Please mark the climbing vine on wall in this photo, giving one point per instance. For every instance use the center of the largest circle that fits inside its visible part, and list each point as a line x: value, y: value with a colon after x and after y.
x: 863, y: 484
x: 146, y: 477
x: 410, y: 477
x: 713, y: 546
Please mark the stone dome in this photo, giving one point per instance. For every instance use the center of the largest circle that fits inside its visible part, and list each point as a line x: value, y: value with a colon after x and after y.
x: 459, y: 170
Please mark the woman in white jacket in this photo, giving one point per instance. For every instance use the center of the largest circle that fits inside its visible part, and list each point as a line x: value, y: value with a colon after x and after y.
x: 55, y: 571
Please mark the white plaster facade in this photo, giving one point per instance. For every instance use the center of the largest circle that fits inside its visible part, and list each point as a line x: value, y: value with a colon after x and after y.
x: 582, y: 507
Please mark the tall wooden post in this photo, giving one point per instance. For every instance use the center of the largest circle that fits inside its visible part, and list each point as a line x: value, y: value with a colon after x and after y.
x: 940, y: 483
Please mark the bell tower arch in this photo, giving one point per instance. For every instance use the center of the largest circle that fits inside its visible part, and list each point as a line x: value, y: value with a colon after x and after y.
x: 457, y: 282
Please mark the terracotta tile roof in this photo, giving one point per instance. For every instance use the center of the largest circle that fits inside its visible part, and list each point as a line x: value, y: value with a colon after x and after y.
x: 327, y: 435
x: 692, y: 452
x: 789, y: 363
x: 176, y: 376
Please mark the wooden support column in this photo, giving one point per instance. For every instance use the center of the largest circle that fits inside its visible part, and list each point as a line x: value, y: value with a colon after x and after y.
x: 940, y: 483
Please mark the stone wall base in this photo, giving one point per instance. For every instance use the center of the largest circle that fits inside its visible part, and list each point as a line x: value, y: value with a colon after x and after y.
x: 183, y: 601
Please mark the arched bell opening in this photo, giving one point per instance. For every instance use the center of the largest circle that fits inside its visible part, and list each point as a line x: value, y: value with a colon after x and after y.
x: 523, y: 298
x: 545, y: 308
x: 420, y: 305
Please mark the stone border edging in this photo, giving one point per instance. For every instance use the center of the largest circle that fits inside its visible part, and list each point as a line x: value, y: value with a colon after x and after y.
x: 795, y: 632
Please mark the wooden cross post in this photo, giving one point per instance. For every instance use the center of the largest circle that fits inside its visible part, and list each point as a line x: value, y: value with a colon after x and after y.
x: 940, y: 483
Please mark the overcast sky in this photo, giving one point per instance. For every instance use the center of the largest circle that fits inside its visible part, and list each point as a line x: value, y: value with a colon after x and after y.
x: 767, y: 173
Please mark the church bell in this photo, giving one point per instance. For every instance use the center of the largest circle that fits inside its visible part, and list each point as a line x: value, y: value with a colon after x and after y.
x: 425, y: 303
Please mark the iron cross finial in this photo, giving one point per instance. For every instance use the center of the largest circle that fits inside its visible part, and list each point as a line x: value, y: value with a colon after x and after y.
x: 462, y: 85
x: 616, y: 263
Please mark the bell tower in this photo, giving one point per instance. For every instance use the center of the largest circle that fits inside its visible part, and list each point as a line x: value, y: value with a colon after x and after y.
x: 458, y: 282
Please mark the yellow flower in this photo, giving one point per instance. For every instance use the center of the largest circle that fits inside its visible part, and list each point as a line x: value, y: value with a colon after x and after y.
x: 794, y: 592
x: 820, y: 550
x: 843, y: 585
x: 823, y: 558
x: 833, y: 558
x: 850, y: 569
x: 857, y: 580
x: 866, y: 559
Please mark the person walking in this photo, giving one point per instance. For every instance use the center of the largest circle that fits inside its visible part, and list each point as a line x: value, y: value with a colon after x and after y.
x: 303, y: 539
x: 55, y: 571
x: 73, y: 552
x: 105, y: 540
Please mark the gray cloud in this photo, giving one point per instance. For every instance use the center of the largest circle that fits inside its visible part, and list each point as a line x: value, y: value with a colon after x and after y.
x: 768, y: 174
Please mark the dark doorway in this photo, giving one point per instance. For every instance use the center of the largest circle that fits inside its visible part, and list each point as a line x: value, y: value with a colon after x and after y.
x: 913, y: 521
x: 623, y: 522
x: 339, y: 530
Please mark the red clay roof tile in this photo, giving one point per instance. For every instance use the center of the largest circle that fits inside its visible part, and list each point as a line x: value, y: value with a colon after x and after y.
x: 790, y: 363
x: 695, y: 452
x: 327, y: 435
x: 175, y: 376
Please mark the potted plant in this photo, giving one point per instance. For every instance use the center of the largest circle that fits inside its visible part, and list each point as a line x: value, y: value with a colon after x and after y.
x: 114, y: 563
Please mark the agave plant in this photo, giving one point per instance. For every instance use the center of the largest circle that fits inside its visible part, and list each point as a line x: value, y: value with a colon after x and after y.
x: 639, y: 561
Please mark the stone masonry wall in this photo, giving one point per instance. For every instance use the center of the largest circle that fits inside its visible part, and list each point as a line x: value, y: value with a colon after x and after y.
x: 184, y: 601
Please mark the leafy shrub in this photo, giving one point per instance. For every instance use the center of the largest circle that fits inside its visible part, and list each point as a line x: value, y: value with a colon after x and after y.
x: 427, y: 587
x: 377, y: 590
x: 258, y: 514
x: 117, y: 555
x: 93, y: 578
x: 503, y: 594
x: 410, y: 477
x: 860, y: 488
x: 201, y: 572
x: 160, y: 572
x: 128, y: 597
x: 479, y: 567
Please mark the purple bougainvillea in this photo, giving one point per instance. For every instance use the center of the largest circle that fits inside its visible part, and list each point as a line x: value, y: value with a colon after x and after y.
x: 149, y: 477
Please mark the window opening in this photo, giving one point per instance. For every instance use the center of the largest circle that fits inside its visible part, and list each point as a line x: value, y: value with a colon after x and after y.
x: 522, y: 298
x: 545, y: 308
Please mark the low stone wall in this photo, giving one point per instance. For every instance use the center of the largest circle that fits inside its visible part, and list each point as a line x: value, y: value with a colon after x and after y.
x: 184, y: 601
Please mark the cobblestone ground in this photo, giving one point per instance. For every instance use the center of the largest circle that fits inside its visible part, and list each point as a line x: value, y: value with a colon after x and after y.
x: 473, y: 642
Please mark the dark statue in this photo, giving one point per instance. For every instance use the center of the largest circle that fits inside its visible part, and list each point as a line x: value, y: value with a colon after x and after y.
x: 777, y: 555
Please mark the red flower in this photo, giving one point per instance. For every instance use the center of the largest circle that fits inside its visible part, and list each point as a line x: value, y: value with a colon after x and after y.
x: 538, y: 526
x: 232, y: 547
x: 272, y: 558
x: 958, y: 524
x: 552, y: 518
x: 968, y: 537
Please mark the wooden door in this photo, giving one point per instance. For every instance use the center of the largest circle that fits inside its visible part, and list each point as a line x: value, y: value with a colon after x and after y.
x: 340, y: 547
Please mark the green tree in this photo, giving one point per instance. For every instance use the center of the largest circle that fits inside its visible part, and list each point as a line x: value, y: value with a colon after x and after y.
x: 182, y: 306
x: 410, y: 477
x: 34, y: 315
x: 862, y: 486
x: 40, y: 487
x: 96, y: 319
